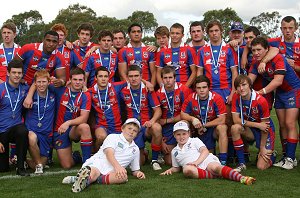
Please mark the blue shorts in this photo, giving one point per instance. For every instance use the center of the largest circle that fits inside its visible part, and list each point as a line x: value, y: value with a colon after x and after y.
x: 168, y: 136
x: 110, y: 131
x: 141, y: 138
x: 208, y: 138
x: 62, y: 141
x: 223, y: 92
x: 44, y: 142
x: 287, y: 100
x: 270, y: 140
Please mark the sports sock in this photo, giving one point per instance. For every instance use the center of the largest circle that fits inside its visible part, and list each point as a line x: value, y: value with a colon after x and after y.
x: 239, y: 148
x: 103, y: 179
x: 12, y: 150
x: 291, y: 148
x: 229, y: 173
x: 283, y: 145
x: 155, y: 151
x: 204, y: 174
x: 86, y: 148
x: 223, y: 157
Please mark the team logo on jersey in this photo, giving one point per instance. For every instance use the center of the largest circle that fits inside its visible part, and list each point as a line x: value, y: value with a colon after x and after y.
x: 111, y: 93
x: 52, y: 98
x: 208, y: 61
x: 120, y: 145
x: 95, y: 96
x: 133, y: 150
x: 195, y: 108
x: 254, y: 110
x: 66, y: 55
x: 210, y: 109
x: 35, y: 58
x: 177, y: 99
x: 176, y: 153
x: 130, y: 54
x: 2, y: 56
x: 281, y: 47
x: 175, y: 53
x: 126, y: 97
x: 182, y: 55
x: 223, y: 53
x: 291, y: 101
x: 98, y: 61
x: 145, y: 54
x: 137, y: 52
x: 113, y: 61
x: 206, y: 53
x: 167, y: 56
x: 163, y: 101
x: 143, y: 97
x: 58, y: 143
x: 51, y: 64
x: 297, y: 50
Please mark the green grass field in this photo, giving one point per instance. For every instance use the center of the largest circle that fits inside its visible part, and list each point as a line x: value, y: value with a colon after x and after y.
x: 273, y: 182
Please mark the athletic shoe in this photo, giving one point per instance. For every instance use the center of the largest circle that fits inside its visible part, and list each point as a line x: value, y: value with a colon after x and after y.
x: 288, y: 163
x: 155, y: 165
x: 22, y: 172
x: 279, y: 163
x: 82, y: 179
x: 247, y: 180
x: 241, y: 167
x: 69, y: 180
x: 39, y: 169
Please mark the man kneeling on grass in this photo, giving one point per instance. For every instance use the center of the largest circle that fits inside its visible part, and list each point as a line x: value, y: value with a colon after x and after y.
x: 108, y: 165
x: 196, y: 161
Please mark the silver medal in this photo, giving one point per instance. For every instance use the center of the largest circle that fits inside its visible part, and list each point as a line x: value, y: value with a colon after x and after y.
x: 216, y: 71
x: 39, y: 124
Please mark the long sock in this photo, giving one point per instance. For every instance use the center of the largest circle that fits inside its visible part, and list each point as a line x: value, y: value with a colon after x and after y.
x: 103, y: 179
x: 291, y: 148
x: 283, y: 145
x: 86, y: 148
x: 230, y: 148
x: 155, y: 151
x: 229, y: 173
x: 223, y: 157
x: 12, y: 150
x: 239, y: 148
x: 204, y: 174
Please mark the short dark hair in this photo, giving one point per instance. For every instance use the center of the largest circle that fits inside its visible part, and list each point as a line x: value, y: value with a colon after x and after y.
x: 101, y: 69
x: 162, y: 31
x: 288, y: 19
x: 52, y: 33
x: 260, y: 40
x: 86, y: 26
x: 9, y: 25
x: 197, y: 23
x: 134, y: 68
x: 178, y: 26
x: 134, y: 25
x: 202, y: 78
x: 167, y: 70
x: 76, y: 71
x: 213, y: 23
x: 15, y: 63
x: 119, y: 31
x: 105, y: 33
x: 240, y: 79
x: 253, y: 29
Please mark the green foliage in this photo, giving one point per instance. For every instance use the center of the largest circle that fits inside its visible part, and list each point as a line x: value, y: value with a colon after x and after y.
x: 145, y: 19
x: 267, y: 23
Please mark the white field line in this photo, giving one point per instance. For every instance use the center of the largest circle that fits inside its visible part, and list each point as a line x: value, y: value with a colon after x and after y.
x: 46, y: 173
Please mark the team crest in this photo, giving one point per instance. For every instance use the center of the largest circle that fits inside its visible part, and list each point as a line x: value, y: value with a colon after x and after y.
x: 133, y: 151
x: 66, y: 55
x: 111, y: 93
x: 195, y: 108
x: 167, y: 56
x: 176, y: 153
x: 137, y: 52
x: 291, y: 101
x: 95, y: 96
x: 143, y: 97
x: 177, y: 99
x: 297, y: 50
x: 98, y: 61
x: 145, y: 54
x: 223, y: 53
x: 51, y: 64
x: 126, y: 97
x: 206, y: 54
x: 254, y: 110
x: 113, y: 61
x: 281, y: 47
x: 35, y: 58
x: 58, y: 143
x: 175, y: 53
x: 182, y: 55
x: 130, y: 54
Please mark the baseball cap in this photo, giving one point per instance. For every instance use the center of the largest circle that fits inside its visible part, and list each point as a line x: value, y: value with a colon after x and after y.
x: 181, y: 125
x: 237, y: 26
x: 133, y: 120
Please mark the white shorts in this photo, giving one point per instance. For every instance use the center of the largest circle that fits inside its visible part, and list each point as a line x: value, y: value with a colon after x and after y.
x: 102, y: 165
x: 210, y: 158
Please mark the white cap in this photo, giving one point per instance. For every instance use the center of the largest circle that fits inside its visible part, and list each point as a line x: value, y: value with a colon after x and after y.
x: 181, y: 125
x: 133, y: 120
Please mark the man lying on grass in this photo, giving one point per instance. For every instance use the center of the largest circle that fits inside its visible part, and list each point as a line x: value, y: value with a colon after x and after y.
x: 196, y: 161
x: 108, y: 165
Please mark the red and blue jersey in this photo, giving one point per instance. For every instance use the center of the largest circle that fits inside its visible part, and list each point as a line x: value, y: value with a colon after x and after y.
x: 35, y: 59
x: 289, y: 50
x: 139, y: 103
x: 173, y: 100
x: 69, y: 104
x: 254, y: 110
x: 181, y: 58
x: 7, y: 118
x: 6, y: 55
x: 79, y: 53
x: 69, y: 60
x: 137, y: 56
x: 98, y: 59
x: 108, y: 110
x: 278, y: 65
x: 213, y: 106
x: 218, y: 72
x: 47, y: 114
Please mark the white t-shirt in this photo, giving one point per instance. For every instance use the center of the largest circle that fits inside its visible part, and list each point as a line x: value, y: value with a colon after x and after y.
x: 190, y: 152
x: 126, y: 154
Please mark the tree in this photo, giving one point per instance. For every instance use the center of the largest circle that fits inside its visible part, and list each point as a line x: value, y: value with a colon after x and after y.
x: 267, y: 23
x: 145, y: 19
x: 226, y: 17
x: 73, y: 16
x: 26, y: 21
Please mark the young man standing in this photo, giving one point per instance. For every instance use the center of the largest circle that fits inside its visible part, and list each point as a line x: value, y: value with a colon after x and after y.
x: 12, y: 128
x: 182, y: 58
x: 206, y: 110
x: 140, y: 103
x: 197, y: 35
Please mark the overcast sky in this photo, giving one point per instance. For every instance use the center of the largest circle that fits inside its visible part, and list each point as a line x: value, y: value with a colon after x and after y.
x: 166, y: 12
